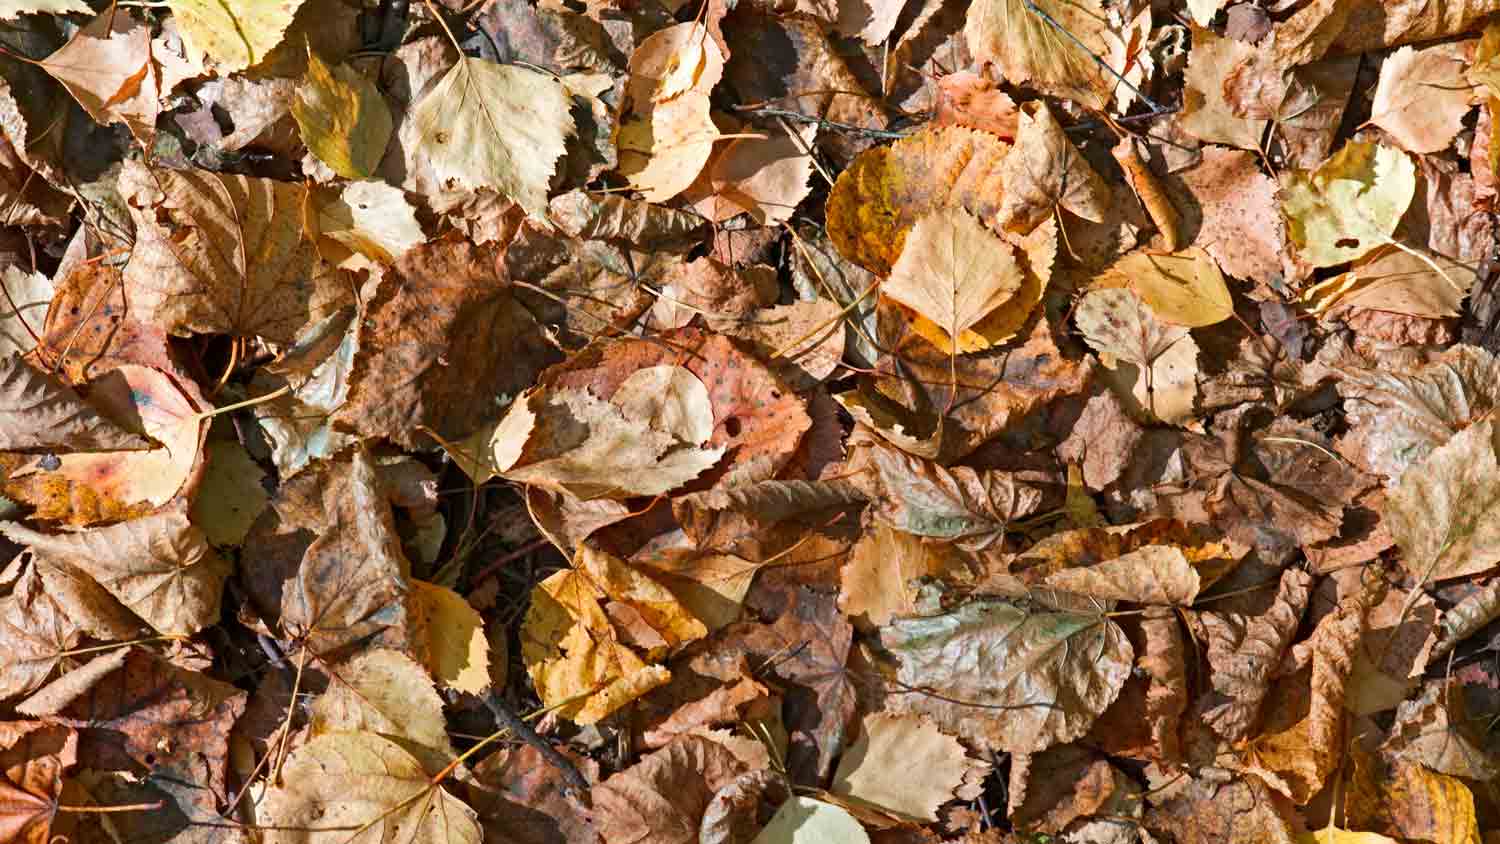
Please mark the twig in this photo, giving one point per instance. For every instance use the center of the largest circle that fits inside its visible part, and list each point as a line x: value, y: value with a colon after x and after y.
x: 797, y: 116
x: 1035, y: 10
x: 522, y: 730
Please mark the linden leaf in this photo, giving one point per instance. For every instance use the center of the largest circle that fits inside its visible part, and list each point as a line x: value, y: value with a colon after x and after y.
x: 343, y: 118
x: 234, y: 35
x: 341, y: 783
x: 487, y: 125
x: 954, y: 272
x: 1350, y: 204
x: 1013, y: 679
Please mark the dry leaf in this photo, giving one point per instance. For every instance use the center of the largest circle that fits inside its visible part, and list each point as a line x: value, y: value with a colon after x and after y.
x: 45, y: 415
x: 879, y: 581
x: 1155, y: 363
x: 1206, y: 113
x: 662, y: 799
x: 343, y: 118
x: 449, y: 637
x: 1416, y: 283
x: 1184, y: 288
x: 878, y: 768
x: 764, y: 177
x: 233, y: 37
x: 1422, y: 96
x: 1045, y: 172
x: 1245, y: 651
x: 1006, y: 677
x: 1440, y: 512
x: 384, y: 693
x: 803, y: 820
x: 1154, y: 574
x: 1028, y: 48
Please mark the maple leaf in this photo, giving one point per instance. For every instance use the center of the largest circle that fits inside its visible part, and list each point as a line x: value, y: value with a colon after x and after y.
x: 487, y: 125
x: 33, y: 759
x: 1045, y: 676
x: 42, y: 414
x: 383, y: 692
x: 1246, y: 650
x: 663, y: 797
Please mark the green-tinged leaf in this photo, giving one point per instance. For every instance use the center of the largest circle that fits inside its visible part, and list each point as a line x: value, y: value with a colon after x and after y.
x: 1350, y: 204
x: 343, y: 118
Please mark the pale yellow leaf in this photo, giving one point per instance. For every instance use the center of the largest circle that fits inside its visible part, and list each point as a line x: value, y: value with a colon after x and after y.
x: 386, y: 693
x: 1184, y: 288
x: 234, y: 35
x: 953, y: 271
x: 878, y: 768
x: 803, y: 820
x: 1350, y: 204
x: 343, y: 118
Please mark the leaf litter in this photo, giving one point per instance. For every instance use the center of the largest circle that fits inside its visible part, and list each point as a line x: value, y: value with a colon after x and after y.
x: 993, y: 421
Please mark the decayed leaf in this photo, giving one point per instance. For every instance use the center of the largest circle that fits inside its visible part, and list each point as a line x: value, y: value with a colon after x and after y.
x: 1029, y: 49
x: 384, y: 693
x: 234, y: 36
x: 33, y: 759
x: 1009, y: 678
x: 344, y: 119
x: 803, y: 820
x: 1164, y: 659
x: 877, y: 582
x: 1350, y: 204
x: 1245, y: 651
x: 1206, y: 113
x: 959, y: 504
x: 1422, y: 96
x: 1161, y: 359
x: 90, y: 488
x: 1045, y: 172
x: 449, y: 637
x: 1436, y: 730
x: 662, y: 798
x: 1467, y: 617
x: 487, y: 125
x: 364, y: 782
x: 159, y: 566
x: 43, y: 414
x: 574, y: 655
x: 1443, y: 512
x: 1154, y: 574
x: 1397, y: 641
x: 1209, y: 810
x: 954, y: 272
x: 36, y: 629
x: 878, y: 768
x: 1242, y: 226
x: 224, y: 254
x: 1184, y: 288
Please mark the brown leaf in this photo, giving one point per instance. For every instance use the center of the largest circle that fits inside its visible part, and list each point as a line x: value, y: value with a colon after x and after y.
x: 1027, y: 49
x: 1153, y: 574
x: 1065, y: 784
x: 1440, y: 512
x: 160, y: 566
x: 879, y: 580
x: 612, y: 217
x: 662, y: 798
x: 43, y: 414
x: 959, y: 504
x: 1008, y: 678
x: 1242, y: 227
x: 1045, y: 172
x: 1154, y: 363
x: 968, y: 99
x: 37, y: 631
x: 1410, y: 802
x: 225, y: 254
x: 1163, y: 658
x: 764, y: 177
x: 1209, y: 810
x: 877, y: 768
x: 521, y: 797
x: 91, y: 327
x: 386, y: 693
x: 33, y: 759
x: 1245, y: 651
x: 1436, y: 730
x: 433, y: 328
x: 1206, y: 113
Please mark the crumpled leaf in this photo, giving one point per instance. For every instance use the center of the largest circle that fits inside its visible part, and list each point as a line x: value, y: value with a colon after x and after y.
x: 1210, y: 810
x: 234, y: 36
x: 662, y: 798
x: 160, y: 566
x: 1443, y: 512
x: 954, y: 272
x: 1009, y: 678
x: 1409, y: 802
x: 1436, y: 730
x: 878, y: 767
x: 36, y: 629
x: 1350, y: 204
x: 1245, y: 651
x: 1160, y: 360
x: 1392, y: 280
x: 1422, y: 96
x: 959, y: 504
x: 385, y: 693
x: 488, y: 125
x: 1045, y: 172
x: 33, y: 760
x: 877, y: 584
x: 364, y: 781
x: 43, y: 414
x: 219, y: 254
x: 1242, y: 227
x: 343, y: 118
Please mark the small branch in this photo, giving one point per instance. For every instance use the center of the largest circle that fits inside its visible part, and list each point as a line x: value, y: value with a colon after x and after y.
x: 522, y: 730
x: 799, y: 117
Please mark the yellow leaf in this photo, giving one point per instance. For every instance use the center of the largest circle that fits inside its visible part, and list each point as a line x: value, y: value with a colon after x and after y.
x: 1350, y: 204
x: 1333, y: 835
x: 386, y: 693
x: 234, y: 35
x: 487, y: 125
x: 663, y: 150
x: 1030, y: 49
x: 954, y: 272
x: 1185, y: 288
x: 450, y: 637
x: 343, y: 118
x: 877, y: 768
x: 367, y: 221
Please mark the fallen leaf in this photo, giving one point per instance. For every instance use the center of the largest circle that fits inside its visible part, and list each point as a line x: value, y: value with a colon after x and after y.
x: 877, y: 768
x: 44, y: 415
x: 15, y: 8
x: 662, y: 152
x: 968, y: 99
x: 960, y: 505
x: 386, y: 694
x: 1045, y: 172
x: 1042, y: 677
x: 1031, y: 49
x: 1245, y: 650
x: 160, y: 566
x: 233, y: 38
x: 231, y: 496
x: 1153, y: 574
x: 1160, y: 360
x: 1439, y: 512
x: 1422, y: 96
x: 1334, y: 835
x: 37, y: 631
x: 1241, y: 810
x: 449, y: 637
x: 764, y: 177
x: 224, y: 254
x: 879, y: 581
x: 24, y: 319
x: 1416, y: 283
x: 1184, y: 288
x: 1349, y: 205
x: 663, y: 797
x: 954, y: 272
x: 522, y: 797
x: 365, y: 782
x: 343, y: 118
x: 1242, y: 226
x: 107, y: 67
x: 1409, y: 802
x: 34, y: 757
x: 488, y: 125
x: 1436, y: 730
x: 803, y: 820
